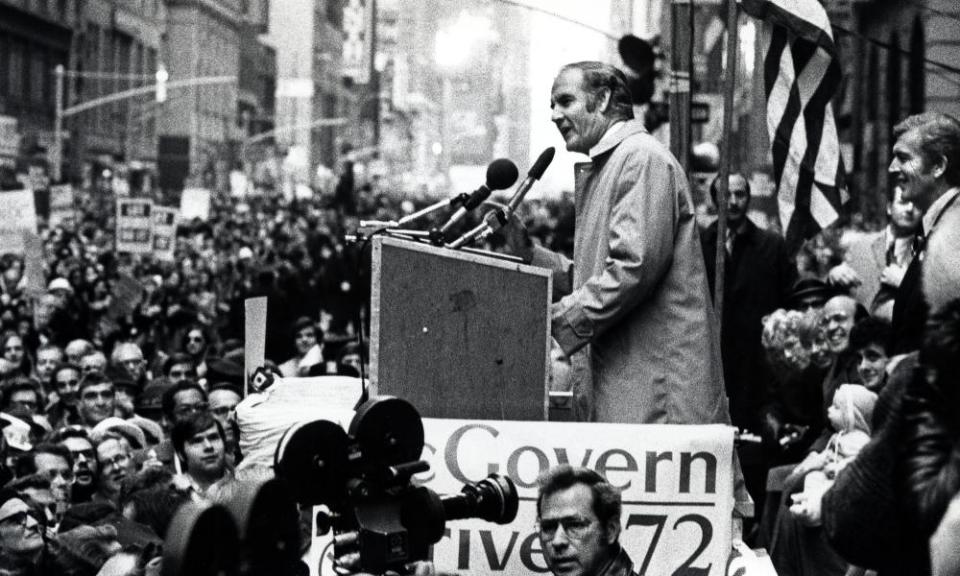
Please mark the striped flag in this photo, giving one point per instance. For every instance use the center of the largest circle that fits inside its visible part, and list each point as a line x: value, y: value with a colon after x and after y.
x: 801, y: 75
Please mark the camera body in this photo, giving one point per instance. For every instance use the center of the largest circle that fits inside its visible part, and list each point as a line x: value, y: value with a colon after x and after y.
x: 363, y: 476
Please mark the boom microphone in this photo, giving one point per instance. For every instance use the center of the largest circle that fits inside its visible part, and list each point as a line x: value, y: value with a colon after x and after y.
x: 501, y: 173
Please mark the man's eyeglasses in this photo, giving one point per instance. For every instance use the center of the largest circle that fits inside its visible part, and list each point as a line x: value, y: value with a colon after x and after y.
x: 65, y: 475
x: 17, y: 518
x: 88, y: 454
x: 222, y: 411
x: 118, y: 460
x: 574, y: 527
x: 105, y: 395
x: 24, y: 403
x: 194, y: 339
x: 69, y: 383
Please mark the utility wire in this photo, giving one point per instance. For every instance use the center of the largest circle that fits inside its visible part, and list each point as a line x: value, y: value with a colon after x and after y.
x: 932, y: 10
x: 889, y: 46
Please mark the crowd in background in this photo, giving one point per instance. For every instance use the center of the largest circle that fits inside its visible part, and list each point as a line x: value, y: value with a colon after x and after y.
x: 120, y: 379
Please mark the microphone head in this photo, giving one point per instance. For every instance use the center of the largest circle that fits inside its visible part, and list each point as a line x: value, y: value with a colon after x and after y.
x: 540, y: 166
x: 501, y: 174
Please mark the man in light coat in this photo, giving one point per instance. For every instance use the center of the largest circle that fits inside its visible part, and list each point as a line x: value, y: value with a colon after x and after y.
x: 636, y: 290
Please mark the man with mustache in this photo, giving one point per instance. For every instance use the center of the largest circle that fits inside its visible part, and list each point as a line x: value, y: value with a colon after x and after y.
x: 631, y: 309
x: 77, y: 441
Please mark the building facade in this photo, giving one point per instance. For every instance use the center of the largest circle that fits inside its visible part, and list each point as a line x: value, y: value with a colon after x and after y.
x: 201, y: 124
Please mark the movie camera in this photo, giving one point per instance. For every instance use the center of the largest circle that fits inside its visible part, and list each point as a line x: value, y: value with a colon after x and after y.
x: 363, y: 478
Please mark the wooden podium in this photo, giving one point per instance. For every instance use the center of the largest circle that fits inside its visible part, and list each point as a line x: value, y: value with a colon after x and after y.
x: 459, y: 335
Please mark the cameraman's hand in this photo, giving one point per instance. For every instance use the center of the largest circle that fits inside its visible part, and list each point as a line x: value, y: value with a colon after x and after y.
x: 349, y: 564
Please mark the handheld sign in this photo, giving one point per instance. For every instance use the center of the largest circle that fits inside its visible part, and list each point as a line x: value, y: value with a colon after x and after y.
x: 255, y: 337
x: 62, y: 209
x: 164, y: 232
x: 134, y: 225
x: 18, y: 213
x: 195, y: 203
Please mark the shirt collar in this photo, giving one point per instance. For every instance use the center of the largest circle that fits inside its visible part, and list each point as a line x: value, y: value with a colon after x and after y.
x: 616, y: 134
x: 936, y: 209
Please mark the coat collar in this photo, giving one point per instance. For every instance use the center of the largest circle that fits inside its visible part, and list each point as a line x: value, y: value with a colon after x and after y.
x: 612, y: 138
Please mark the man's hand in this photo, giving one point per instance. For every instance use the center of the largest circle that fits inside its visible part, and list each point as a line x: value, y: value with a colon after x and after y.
x: 517, y: 238
x: 892, y: 275
x: 843, y: 275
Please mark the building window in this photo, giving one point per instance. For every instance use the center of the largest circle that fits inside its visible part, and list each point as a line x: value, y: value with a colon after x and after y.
x: 16, y: 74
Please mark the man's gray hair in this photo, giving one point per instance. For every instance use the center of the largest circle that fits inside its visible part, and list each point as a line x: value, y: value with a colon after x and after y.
x: 939, y: 138
x: 597, y: 77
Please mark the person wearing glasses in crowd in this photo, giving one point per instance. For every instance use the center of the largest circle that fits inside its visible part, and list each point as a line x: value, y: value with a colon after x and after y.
x: 115, y: 464
x: 66, y: 383
x: 77, y: 441
x: 578, y: 520
x: 22, y: 547
x: 196, y: 345
x: 129, y: 357
x: 97, y: 399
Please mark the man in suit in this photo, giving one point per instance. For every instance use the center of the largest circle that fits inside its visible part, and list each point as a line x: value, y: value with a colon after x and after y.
x: 874, y: 266
x: 758, y: 279
x: 926, y: 165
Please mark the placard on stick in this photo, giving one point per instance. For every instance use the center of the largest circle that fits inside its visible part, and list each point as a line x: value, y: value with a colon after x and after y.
x: 255, y: 337
x: 134, y: 225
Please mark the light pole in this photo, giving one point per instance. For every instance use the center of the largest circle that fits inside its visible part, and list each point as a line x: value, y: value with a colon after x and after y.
x: 160, y: 87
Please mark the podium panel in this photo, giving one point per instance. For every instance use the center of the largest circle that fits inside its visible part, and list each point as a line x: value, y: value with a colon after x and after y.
x: 457, y: 334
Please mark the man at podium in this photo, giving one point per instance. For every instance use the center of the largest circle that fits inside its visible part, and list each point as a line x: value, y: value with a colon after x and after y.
x: 632, y: 308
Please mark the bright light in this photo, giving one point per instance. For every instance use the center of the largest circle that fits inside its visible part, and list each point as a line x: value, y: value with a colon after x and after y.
x: 460, y: 40
x: 748, y: 45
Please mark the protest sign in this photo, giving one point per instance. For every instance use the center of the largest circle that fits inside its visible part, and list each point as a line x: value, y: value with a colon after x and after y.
x: 676, y: 483
x: 62, y: 209
x: 195, y: 203
x: 164, y: 232
x: 255, y: 337
x: 18, y: 213
x: 33, y: 263
x: 134, y: 225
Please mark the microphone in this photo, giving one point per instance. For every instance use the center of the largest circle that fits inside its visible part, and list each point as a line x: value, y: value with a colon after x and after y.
x: 501, y: 174
x: 535, y: 173
x: 496, y: 219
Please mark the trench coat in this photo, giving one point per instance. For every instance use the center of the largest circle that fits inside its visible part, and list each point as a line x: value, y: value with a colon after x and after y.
x: 635, y: 294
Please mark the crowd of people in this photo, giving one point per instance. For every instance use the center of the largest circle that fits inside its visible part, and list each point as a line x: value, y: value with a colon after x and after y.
x: 120, y: 379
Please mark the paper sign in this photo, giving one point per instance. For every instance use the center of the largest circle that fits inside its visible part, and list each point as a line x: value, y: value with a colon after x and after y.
x: 33, y: 263
x: 676, y: 483
x: 62, y: 210
x: 238, y: 184
x: 255, y: 337
x: 164, y: 232
x: 18, y: 213
x: 195, y: 203
x: 134, y: 225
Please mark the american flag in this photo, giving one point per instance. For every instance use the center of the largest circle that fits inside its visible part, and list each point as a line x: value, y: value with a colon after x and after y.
x: 801, y: 75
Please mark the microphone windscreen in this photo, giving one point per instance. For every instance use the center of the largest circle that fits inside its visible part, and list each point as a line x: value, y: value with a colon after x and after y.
x: 540, y: 166
x: 501, y: 174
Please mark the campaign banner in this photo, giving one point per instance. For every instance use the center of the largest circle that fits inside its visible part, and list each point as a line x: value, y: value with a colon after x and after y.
x: 164, y: 232
x: 195, y: 203
x: 62, y: 209
x: 18, y: 214
x: 676, y: 483
x: 134, y: 225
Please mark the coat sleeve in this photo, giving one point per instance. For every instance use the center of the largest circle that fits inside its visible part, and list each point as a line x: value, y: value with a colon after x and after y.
x: 561, y: 266
x: 643, y: 222
x: 932, y: 452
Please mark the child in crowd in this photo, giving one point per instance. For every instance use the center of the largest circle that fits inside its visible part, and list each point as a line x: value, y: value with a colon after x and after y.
x: 850, y: 415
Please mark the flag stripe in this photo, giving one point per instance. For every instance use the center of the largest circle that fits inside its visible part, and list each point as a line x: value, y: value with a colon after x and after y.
x: 801, y: 76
